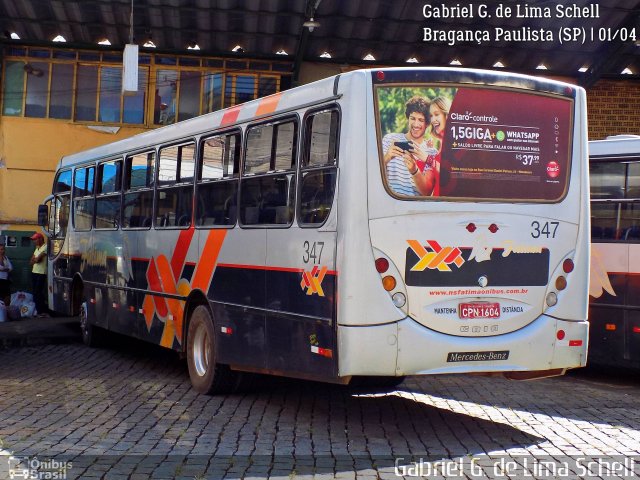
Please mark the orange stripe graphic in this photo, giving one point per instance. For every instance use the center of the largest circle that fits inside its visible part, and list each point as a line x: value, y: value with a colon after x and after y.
x: 181, y: 250
x: 164, y: 276
x: 230, y: 116
x: 208, y: 259
x: 156, y: 285
x: 439, y: 258
x: 169, y: 285
x: 148, y: 310
x: 268, y: 105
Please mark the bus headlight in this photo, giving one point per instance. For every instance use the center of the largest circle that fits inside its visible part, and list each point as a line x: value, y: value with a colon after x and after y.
x: 552, y: 299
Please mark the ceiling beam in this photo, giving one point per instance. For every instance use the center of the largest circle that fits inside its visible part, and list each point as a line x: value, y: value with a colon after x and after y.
x: 613, y: 55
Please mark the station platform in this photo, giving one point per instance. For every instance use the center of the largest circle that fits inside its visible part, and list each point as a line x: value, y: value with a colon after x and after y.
x: 39, y: 331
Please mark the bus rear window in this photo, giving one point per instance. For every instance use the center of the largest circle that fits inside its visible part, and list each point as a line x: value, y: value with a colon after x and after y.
x: 473, y: 143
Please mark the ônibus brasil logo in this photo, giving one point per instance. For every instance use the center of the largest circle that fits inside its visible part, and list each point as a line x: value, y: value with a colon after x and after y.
x: 553, y: 169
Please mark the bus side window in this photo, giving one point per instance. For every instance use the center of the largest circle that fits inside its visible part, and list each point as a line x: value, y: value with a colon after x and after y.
x: 108, y: 195
x: 319, y: 168
x: 83, y: 200
x: 62, y: 188
x: 615, y: 215
x: 268, y: 182
x: 217, y: 192
x: 137, y: 207
x: 174, y: 195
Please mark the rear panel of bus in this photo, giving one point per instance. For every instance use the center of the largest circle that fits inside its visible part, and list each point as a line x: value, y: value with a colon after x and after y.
x: 488, y: 272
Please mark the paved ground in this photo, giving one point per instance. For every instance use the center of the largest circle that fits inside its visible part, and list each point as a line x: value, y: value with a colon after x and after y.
x: 129, y: 413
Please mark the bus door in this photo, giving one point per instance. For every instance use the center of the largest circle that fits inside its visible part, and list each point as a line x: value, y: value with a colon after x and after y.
x: 60, y: 271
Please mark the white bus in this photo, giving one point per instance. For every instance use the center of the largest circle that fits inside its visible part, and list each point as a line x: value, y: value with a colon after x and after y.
x: 614, y: 311
x: 379, y: 223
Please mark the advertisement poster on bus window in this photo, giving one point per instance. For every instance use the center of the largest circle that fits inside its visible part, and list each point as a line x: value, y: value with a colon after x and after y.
x: 474, y: 143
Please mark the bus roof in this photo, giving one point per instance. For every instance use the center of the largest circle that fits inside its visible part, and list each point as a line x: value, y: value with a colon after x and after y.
x: 616, y: 146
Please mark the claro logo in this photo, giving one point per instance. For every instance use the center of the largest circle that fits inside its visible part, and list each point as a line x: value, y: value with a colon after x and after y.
x: 553, y: 169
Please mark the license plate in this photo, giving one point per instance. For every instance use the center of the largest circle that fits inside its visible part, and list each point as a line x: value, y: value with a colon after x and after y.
x: 479, y: 310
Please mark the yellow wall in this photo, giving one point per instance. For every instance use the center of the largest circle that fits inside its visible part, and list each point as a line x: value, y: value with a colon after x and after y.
x: 29, y: 152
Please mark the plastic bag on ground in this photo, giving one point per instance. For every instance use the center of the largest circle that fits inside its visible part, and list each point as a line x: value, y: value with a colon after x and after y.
x: 28, y: 309
x: 19, y: 298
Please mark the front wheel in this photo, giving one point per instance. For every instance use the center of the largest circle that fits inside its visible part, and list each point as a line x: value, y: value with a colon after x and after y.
x: 207, y: 376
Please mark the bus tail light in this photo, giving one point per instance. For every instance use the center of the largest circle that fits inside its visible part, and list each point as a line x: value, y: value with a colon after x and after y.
x: 399, y: 299
x: 560, y: 335
x: 391, y: 279
x: 567, y: 265
x: 389, y: 283
x: 636, y: 329
x: 382, y: 265
x: 552, y: 299
x: 324, y: 352
x: 561, y: 281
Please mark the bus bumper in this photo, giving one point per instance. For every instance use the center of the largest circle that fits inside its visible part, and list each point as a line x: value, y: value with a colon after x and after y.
x: 422, y: 351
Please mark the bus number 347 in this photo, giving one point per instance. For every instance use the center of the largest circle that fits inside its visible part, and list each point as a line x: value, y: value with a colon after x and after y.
x: 312, y: 252
x: 547, y: 229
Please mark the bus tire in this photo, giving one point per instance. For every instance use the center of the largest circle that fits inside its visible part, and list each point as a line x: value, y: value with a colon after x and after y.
x: 206, y: 374
x: 87, y: 329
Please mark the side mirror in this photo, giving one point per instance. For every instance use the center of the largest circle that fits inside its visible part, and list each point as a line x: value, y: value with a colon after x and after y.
x: 43, y: 215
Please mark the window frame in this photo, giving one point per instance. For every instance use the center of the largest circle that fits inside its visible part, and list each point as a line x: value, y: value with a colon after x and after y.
x: 235, y: 177
x: 271, y: 172
x: 306, y: 150
x: 56, y: 181
x: 100, y: 195
x: 77, y: 198
x: 620, y: 234
x: 177, y: 183
x: 150, y: 187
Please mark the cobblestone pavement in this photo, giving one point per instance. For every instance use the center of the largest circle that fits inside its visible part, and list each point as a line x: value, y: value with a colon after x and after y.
x: 129, y: 413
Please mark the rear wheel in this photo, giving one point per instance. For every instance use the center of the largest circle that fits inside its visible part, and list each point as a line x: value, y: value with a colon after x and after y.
x: 207, y: 376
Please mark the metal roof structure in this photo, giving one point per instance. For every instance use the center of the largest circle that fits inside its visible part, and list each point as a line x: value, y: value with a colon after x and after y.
x: 391, y: 31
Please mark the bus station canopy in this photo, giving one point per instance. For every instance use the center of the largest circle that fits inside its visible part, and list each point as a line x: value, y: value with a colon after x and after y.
x: 580, y: 39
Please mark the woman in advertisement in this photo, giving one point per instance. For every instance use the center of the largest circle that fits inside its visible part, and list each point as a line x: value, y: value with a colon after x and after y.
x: 438, y: 113
x: 406, y: 154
